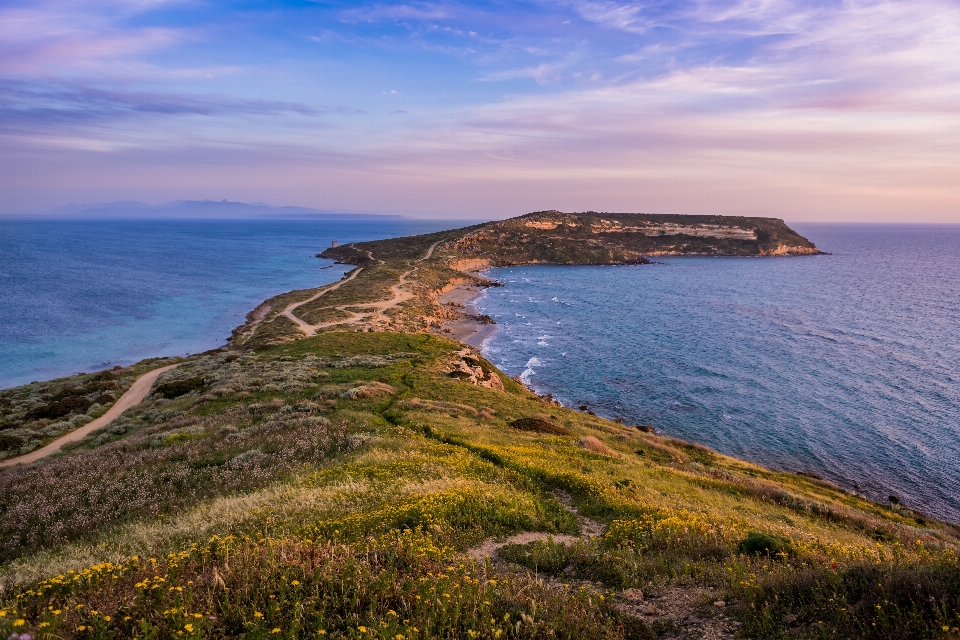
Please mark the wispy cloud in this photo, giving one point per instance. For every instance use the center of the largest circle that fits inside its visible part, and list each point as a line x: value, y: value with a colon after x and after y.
x: 33, y: 106
x: 697, y: 105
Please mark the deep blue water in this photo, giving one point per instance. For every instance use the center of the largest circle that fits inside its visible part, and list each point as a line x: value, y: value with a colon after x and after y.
x: 846, y: 365
x: 77, y: 295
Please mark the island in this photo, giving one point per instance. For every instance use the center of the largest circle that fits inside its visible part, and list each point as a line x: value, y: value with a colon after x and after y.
x: 344, y: 468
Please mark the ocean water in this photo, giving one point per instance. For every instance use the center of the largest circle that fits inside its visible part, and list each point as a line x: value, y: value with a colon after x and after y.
x: 845, y: 365
x: 84, y: 295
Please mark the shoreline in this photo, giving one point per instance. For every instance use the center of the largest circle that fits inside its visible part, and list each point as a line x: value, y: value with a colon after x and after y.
x: 466, y: 328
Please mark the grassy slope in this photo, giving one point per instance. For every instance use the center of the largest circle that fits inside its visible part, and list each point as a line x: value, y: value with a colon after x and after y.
x: 331, y: 484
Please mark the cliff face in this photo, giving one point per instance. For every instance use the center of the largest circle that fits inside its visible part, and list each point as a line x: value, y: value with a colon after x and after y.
x: 553, y: 237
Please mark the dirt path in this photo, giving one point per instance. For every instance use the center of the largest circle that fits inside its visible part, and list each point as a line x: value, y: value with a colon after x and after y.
x: 377, y: 308
x: 588, y: 529
x: 311, y: 329
x: 690, y: 611
x: 133, y: 396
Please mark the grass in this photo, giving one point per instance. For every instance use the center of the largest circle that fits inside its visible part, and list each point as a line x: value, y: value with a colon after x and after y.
x: 276, y: 501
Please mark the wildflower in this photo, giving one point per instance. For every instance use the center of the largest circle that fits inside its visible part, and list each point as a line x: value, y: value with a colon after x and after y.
x: 188, y: 627
x: 362, y: 629
x: 257, y: 614
x: 276, y: 630
x: 19, y: 622
x: 295, y: 583
x: 107, y: 618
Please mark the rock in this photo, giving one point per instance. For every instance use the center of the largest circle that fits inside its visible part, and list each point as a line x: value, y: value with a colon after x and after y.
x: 720, y: 603
x: 632, y: 595
x: 789, y: 619
x: 649, y: 610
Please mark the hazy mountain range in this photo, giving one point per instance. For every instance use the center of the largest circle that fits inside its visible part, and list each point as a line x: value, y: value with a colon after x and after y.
x: 202, y: 209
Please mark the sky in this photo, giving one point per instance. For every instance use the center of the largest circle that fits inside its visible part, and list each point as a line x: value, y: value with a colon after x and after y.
x: 809, y: 111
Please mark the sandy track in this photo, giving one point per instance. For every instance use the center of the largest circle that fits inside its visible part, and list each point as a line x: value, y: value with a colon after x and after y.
x: 308, y: 328
x: 378, y: 308
x: 133, y: 396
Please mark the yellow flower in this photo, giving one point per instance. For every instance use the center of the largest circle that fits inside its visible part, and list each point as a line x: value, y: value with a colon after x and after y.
x: 43, y: 624
x: 362, y: 629
x: 276, y: 630
x: 188, y: 627
x: 295, y: 583
x: 107, y: 618
x: 19, y: 622
x: 257, y: 614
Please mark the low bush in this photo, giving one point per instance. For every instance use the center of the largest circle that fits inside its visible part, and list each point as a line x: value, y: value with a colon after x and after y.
x: 539, y: 425
x: 757, y: 543
x: 178, y: 388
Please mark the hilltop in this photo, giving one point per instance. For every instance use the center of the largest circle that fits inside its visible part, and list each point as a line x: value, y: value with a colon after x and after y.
x: 340, y: 470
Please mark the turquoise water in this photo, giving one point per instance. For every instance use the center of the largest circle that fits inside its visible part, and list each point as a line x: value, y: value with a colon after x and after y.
x: 82, y: 295
x: 845, y: 365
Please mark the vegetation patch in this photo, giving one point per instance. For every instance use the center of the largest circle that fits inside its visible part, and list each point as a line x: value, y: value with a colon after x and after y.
x: 282, y: 500
x: 177, y: 388
x: 539, y: 425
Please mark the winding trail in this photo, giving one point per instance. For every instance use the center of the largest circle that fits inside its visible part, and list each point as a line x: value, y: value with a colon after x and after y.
x: 308, y: 328
x: 133, y: 396
x: 378, y: 308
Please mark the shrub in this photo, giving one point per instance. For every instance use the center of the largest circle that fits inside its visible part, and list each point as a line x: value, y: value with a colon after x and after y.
x: 539, y: 425
x: 59, y: 408
x: 757, y: 543
x: 178, y: 388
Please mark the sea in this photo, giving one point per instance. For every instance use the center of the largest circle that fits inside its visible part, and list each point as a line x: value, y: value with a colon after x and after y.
x: 844, y: 365
x: 83, y: 295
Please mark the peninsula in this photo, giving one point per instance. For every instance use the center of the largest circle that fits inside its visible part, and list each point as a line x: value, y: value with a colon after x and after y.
x: 344, y: 469
x: 416, y: 284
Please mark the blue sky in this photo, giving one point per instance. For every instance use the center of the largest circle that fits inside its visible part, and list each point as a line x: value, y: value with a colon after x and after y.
x: 802, y: 110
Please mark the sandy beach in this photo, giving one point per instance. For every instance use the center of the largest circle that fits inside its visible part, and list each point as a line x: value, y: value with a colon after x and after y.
x: 466, y: 329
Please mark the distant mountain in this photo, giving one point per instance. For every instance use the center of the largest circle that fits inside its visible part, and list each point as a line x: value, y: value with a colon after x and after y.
x: 204, y: 209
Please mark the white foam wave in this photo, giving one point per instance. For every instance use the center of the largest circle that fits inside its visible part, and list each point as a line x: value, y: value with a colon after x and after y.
x: 525, y: 376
